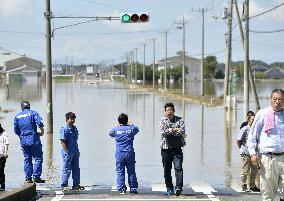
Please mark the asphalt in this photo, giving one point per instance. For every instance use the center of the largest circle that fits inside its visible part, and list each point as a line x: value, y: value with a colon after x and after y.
x: 97, y: 193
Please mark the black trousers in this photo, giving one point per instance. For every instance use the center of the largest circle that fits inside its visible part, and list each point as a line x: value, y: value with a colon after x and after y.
x: 2, y: 167
x: 169, y: 157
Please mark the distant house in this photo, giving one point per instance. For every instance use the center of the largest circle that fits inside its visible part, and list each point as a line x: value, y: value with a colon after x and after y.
x: 109, y: 71
x: 275, y: 73
x: 259, y: 68
x: 19, y: 66
x: 193, y: 64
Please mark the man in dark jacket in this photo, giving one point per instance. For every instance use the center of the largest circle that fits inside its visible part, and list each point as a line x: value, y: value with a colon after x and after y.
x: 172, y: 140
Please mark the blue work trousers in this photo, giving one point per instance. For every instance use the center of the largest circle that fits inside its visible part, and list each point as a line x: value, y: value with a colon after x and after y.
x: 33, y: 152
x: 70, y: 163
x: 125, y: 159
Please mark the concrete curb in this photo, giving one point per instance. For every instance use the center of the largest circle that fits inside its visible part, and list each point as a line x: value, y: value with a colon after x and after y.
x: 25, y: 193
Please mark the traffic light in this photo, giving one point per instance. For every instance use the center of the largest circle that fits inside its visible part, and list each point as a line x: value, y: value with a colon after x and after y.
x: 134, y: 18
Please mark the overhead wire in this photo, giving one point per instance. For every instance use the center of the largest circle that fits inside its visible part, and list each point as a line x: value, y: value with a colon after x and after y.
x: 262, y: 13
x: 108, y: 6
x: 265, y: 32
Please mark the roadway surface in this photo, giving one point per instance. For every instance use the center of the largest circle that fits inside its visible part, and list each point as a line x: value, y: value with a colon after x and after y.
x: 197, y: 191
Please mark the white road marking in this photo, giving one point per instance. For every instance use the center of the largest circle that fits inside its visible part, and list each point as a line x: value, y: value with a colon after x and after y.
x: 201, y: 187
x: 205, y: 188
x: 59, y: 196
x: 141, y: 199
x: 42, y: 188
x: 159, y: 187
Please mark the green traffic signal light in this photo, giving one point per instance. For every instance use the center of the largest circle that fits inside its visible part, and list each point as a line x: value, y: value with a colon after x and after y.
x: 125, y: 18
x: 134, y: 18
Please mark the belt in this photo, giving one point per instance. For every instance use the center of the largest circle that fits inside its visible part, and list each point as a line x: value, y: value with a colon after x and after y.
x: 275, y: 154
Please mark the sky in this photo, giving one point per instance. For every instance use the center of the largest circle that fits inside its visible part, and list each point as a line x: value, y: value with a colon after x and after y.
x: 22, y: 30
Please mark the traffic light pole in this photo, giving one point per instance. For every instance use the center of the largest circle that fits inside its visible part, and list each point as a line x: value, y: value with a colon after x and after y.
x: 49, y: 115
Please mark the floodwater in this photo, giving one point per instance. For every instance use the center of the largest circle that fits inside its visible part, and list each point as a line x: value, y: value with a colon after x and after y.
x: 211, y: 154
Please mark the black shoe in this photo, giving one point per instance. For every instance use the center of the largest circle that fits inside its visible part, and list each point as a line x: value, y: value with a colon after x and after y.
x: 170, y: 191
x: 244, y: 188
x: 2, y: 188
x: 28, y: 181
x: 78, y: 188
x: 122, y: 192
x: 39, y: 180
x: 178, y: 191
x: 254, y: 189
x: 281, y: 199
x: 133, y: 191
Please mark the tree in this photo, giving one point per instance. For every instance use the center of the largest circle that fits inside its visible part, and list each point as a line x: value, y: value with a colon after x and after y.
x: 260, y: 75
x: 210, y: 65
x: 219, y: 74
x: 176, y: 72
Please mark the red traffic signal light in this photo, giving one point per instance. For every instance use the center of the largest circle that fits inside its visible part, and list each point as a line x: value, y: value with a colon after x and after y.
x: 144, y: 17
x: 134, y: 18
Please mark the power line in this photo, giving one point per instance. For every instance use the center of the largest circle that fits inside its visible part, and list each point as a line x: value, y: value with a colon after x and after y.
x: 251, y: 17
x: 103, y: 33
x: 21, y: 32
x: 272, y: 31
x: 266, y: 45
x: 108, y: 6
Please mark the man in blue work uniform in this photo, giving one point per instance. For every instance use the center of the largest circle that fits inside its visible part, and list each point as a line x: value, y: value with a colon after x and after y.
x: 70, y: 153
x: 125, y: 155
x: 26, y: 123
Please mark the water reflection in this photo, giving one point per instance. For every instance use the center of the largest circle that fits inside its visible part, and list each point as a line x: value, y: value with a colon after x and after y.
x: 229, y: 121
x: 49, y: 150
x: 19, y: 91
x: 153, y: 113
x: 202, y: 136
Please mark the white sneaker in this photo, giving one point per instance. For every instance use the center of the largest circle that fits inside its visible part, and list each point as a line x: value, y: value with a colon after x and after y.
x: 66, y: 188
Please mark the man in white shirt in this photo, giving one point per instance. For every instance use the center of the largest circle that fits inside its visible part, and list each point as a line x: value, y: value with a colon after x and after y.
x: 266, y: 145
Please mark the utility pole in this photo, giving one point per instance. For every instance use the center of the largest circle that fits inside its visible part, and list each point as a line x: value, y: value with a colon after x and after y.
x: 246, y: 58
x: 121, y: 66
x: 72, y: 65
x: 252, y: 83
x: 144, y: 64
x: 203, y: 10
x: 202, y: 57
x: 135, y: 76
x: 183, y: 51
x: 165, y: 71
x: 66, y: 66
x: 154, y: 50
x: 228, y: 16
x: 49, y: 117
x: 128, y: 66
x: 132, y: 65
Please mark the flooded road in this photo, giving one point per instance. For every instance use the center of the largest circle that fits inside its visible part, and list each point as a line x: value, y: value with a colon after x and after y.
x: 211, y: 154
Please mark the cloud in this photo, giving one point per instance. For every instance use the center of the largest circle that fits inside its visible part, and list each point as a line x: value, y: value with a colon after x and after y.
x: 276, y: 15
x: 15, y: 8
